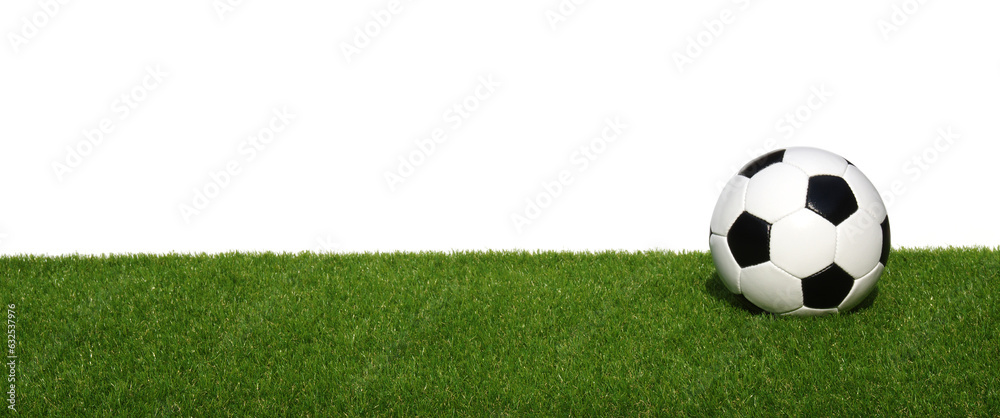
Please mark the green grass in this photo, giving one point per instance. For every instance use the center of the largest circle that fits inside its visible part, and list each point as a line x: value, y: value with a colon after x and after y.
x: 493, y: 333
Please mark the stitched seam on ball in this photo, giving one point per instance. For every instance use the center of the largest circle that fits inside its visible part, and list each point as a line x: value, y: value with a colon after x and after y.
x: 797, y: 168
x: 878, y: 263
x: 784, y: 271
x: 783, y: 217
x: 793, y: 310
x: 836, y: 243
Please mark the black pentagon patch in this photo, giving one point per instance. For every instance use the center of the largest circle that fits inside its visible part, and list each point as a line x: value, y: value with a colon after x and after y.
x: 762, y: 162
x: 831, y: 197
x: 886, y: 246
x: 750, y: 240
x: 826, y: 289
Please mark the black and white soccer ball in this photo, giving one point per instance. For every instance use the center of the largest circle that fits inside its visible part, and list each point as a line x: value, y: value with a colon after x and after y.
x: 800, y: 231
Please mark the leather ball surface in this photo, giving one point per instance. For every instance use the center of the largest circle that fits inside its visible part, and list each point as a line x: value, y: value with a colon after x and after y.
x: 800, y: 231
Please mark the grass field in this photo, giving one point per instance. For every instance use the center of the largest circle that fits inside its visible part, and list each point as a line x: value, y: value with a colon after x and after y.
x: 489, y: 333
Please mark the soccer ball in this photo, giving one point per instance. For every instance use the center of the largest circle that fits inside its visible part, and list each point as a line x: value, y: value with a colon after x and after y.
x: 800, y: 231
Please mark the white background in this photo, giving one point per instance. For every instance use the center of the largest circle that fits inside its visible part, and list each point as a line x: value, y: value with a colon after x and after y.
x: 702, y: 87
